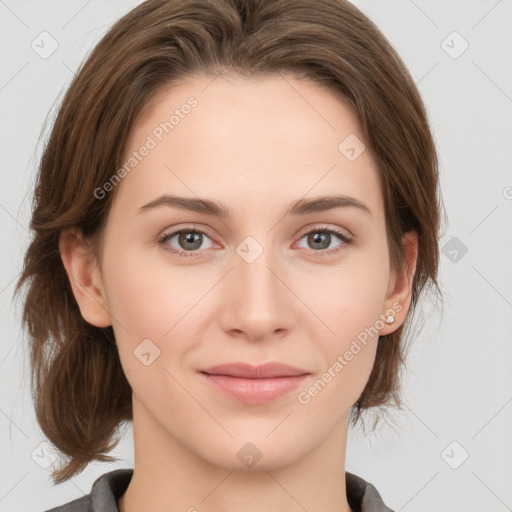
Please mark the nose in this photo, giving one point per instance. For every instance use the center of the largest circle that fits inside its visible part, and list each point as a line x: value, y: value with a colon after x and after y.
x: 258, y: 302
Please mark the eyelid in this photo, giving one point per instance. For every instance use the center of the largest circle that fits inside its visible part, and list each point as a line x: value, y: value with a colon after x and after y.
x: 326, y: 227
x: 196, y: 228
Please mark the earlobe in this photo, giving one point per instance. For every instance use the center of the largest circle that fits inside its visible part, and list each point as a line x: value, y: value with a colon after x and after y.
x: 84, y: 277
x: 398, y: 299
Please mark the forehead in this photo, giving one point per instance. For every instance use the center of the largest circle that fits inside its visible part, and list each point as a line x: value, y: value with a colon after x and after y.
x: 247, y: 140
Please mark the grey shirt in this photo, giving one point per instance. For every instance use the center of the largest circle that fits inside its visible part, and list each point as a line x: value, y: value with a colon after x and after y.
x: 109, y: 487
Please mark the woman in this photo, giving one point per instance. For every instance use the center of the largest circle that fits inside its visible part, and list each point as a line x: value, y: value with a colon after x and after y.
x: 236, y: 213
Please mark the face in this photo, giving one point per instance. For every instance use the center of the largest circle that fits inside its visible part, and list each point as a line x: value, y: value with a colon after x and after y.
x: 271, y: 281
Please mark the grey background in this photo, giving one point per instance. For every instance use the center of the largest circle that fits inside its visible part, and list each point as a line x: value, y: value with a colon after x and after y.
x: 458, y: 388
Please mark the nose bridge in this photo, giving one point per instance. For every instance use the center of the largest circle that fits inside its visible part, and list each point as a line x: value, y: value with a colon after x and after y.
x: 260, y: 302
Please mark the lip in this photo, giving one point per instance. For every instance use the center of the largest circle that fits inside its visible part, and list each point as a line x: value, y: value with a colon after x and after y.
x: 247, y: 371
x: 254, y: 384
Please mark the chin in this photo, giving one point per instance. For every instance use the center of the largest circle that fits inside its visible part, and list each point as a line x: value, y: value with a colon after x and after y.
x: 252, y: 453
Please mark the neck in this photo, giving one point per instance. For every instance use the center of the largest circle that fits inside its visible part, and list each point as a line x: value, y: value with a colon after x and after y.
x: 169, y: 477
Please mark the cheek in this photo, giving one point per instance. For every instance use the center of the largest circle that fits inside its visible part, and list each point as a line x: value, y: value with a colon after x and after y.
x: 141, y: 306
x: 156, y: 302
x: 349, y: 302
x: 348, y: 298
x: 147, y: 294
x: 134, y: 298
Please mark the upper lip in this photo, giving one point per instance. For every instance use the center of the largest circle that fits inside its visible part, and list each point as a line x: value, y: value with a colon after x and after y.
x: 247, y: 371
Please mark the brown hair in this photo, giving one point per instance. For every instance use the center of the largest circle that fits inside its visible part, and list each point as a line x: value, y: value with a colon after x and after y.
x: 80, y: 392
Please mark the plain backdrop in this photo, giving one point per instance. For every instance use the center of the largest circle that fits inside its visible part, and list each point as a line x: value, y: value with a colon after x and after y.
x: 450, y: 448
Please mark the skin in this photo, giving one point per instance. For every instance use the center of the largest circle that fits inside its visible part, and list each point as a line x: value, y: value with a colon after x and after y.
x: 256, y: 146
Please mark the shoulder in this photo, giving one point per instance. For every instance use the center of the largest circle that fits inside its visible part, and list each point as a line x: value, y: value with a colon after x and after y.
x: 104, y: 494
x: 362, y: 496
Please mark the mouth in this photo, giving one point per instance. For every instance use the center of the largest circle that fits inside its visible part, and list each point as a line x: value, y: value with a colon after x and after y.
x: 254, y: 384
x: 247, y: 371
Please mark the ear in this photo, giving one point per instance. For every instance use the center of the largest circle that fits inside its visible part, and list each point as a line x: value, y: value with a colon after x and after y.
x: 84, y: 277
x: 398, y: 297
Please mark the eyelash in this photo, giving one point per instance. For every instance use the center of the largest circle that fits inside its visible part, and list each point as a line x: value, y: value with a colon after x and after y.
x: 187, y: 254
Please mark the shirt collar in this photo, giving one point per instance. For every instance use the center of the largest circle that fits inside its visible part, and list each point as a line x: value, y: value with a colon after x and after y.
x: 362, y: 496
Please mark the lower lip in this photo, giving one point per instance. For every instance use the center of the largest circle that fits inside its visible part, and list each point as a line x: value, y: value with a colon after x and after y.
x: 255, y: 391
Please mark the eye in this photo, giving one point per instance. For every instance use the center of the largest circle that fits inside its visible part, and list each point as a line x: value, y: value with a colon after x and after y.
x: 321, y: 238
x: 189, y: 241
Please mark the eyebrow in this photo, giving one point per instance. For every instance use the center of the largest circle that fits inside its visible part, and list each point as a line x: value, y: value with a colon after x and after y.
x: 300, y: 207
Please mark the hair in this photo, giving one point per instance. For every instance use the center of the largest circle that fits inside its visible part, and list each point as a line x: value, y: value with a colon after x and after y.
x: 78, y: 386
